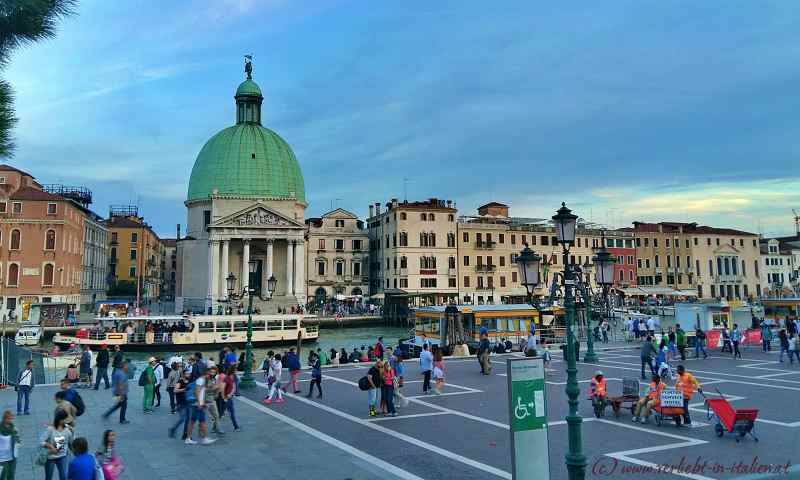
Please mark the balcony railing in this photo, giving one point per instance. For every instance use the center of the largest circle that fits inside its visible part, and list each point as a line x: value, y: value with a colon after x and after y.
x: 485, y: 244
x: 484, y: 268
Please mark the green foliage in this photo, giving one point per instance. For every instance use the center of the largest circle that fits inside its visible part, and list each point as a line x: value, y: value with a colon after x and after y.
x: 23, y: 22
x: 122, y: 288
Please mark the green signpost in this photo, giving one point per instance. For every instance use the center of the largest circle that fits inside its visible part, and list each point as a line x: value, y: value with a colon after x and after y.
x: 530, y: 458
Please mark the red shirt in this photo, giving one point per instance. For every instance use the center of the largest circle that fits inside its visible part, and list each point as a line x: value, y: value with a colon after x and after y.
x: 388, y: 376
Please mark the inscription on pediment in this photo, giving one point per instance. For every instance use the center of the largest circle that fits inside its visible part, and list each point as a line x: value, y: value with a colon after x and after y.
x: 261, y: 218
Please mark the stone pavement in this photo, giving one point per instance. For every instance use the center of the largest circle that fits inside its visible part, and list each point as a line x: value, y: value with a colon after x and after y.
x: 265, y: 448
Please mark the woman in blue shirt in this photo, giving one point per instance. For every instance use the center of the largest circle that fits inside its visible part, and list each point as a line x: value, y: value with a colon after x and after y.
x: 83, y: 466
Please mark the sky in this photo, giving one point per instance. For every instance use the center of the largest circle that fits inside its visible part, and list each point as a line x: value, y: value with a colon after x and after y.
x: 626, y: 110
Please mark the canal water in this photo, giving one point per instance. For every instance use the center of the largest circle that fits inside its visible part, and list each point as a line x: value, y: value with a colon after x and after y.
x: 329, y: 337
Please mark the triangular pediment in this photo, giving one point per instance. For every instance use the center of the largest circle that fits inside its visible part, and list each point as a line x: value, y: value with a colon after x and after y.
x: 340, y: 213
x: 726, y: 249
x: 256, y: 216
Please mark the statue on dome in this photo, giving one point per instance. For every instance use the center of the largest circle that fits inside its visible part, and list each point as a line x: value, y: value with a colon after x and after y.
x: 248, y: 66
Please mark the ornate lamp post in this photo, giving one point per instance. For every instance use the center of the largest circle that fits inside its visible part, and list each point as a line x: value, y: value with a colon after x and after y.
x: 247, y: 378
x: 585, y: 288
x: 604, y: 275
x: 565, y: 223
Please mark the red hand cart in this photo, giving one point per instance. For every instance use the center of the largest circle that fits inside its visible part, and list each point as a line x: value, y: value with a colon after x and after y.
x: 737, y: 421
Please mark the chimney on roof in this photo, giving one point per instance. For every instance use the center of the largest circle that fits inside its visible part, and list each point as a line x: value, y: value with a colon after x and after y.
x: 177, y: 232
x: 377, y: 208
x: 394, y: 203
x: 371, y: 210
x: 449, y: 202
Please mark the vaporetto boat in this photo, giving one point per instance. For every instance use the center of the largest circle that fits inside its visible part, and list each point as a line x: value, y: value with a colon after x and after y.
x: 190, y: 332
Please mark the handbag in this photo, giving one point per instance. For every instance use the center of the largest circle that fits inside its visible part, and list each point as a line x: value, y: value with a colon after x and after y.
x: 42, y: 456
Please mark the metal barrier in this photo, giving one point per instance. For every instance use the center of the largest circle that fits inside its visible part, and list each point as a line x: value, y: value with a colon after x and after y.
x: 14, y: 357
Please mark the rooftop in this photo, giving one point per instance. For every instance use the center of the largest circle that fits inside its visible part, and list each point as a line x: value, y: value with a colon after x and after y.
x: 676, y: 227
x: 30, y: 193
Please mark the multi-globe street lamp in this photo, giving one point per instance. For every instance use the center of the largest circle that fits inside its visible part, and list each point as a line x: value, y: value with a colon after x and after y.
x: 529, y: 263
x: 247, y: 379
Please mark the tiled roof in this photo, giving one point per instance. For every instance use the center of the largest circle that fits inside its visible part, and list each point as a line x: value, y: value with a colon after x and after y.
x: 9, y: 168
x: 674, y: 227
x: 29, y: 193
x: 493, y: 204
x: 169, y: 242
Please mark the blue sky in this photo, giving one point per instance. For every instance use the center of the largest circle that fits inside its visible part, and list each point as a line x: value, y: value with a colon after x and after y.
x: 627, y: 110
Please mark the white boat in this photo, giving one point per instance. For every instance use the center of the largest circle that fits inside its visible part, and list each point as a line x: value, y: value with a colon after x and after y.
x: 28, y: 335
x: 191, y: 332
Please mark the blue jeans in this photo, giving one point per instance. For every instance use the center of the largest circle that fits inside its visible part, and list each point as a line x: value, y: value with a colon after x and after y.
x: 102, y: 373
x: 183, y: 410
x: 373, y: 397
x: 232, y: 412
x: 699, y: 346
x: 672, y: 350
x: 784, y: 349
x: 388, y: 397
x: 57, y: 463
x: 24, y: 392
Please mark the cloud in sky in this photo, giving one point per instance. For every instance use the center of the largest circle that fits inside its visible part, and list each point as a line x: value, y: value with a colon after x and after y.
x: 671, y: 111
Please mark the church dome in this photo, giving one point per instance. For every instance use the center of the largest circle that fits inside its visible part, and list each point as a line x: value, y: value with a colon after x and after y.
x: 247, y: 159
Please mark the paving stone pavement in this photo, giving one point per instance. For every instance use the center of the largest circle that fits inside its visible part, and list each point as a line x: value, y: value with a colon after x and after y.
x: 265, y: 448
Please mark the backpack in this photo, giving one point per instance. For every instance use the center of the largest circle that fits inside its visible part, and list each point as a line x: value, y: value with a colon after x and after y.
x: 363, y: 383
x: 77, y: 402
x: 143, y: 378
x: 190, y: 397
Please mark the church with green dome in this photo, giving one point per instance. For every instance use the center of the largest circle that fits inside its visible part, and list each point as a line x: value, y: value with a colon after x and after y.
x: 245, y: 215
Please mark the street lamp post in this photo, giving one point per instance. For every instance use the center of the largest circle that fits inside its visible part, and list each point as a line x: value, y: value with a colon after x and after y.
x: 586, y: 274
x: 566, y: 223
x: 247, y: 379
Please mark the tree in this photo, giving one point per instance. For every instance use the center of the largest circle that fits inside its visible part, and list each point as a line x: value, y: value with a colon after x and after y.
x: 23, y: 22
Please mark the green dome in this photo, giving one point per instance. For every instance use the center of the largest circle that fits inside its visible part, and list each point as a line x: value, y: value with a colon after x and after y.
x: 249, y: 87
x: 249, y: 160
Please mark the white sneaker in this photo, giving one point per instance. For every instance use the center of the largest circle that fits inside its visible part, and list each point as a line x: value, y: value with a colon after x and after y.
x: 635, y: 419
x: 208, y: 441
x: 189, y: 441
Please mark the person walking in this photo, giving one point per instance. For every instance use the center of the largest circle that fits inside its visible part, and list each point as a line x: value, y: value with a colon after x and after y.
x: 107, y: 458
x: 198, y: 403
x: 213, y: 388
x: 699, y: 342
x: 85, y: 366
x: 484, y: 350
x: 388, y: 389
x: 229, y: 394
x: 374, y: 380
x: 276, y: 369
x: 148, y: 380
x: 672, y: 343
x: 736, y: 337
x: 116, y: 363
x: 158, y: 372
x: 174, y: 375
x: 119, y: 383
x: 56, y: 439
x: 783, y: 339
x: 766, y: 337
x: 425, y: 366
x: 182, y: 386
x: 796, y: 343
x: 9, y: 446
x: 648, y: 351
x: 687, y: 384
x: 680, y: 341
x: 293, y: 362
x: 101, y: 363
x: 84, y: 465
x: 438, y: 371
x: 316, y: 375
x: 24, y: 387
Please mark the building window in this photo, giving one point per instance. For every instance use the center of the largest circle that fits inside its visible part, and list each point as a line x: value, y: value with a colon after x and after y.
x: 3, y: 206
x: 466, y: 260
x: 646, y: 242
x: 16, y: 207
x: 451, y: 262
x: 132, y: 272
x: 321, y: 244
x: 502, y: 282
x: 339, y: 269
x: 465, y: 237
x: 52, y: 208
x: 423, y: 217
x: 133, y: 254
x: 427, y: 282
x: 356, y: 245
x: 50, y: 240
x: 711, y: 268
x: 451, y: 239
x: 403, y: 215
x: 545, y: 240
x: 658, y: 261
x: 339, y: 223
x: 697, y: 265
x: 502, y: 260
x: 321, y: 268
x: 403, y: 239
x: 744, y: 272
x: 16, y: 238
x: 356, y: 269
x: 431, y: 217
x: 502, y: 238
x: 513, y: 239
x: 513, y: 277
x: 666, y: 242
x: 630, y: 259
x: 451, y: 218
x: 47, y: 275
x: 338, y: 244
x: 13, y: 274
x: 403, y: 262
x: 134, y: 237
x: 638, y: 263
x: 113, y: 252
x: 403, y: 282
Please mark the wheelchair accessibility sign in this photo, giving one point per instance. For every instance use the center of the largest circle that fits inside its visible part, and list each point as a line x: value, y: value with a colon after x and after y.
x: 528, y: 418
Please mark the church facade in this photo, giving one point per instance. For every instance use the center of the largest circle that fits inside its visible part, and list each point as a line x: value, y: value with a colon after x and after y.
x: 245, y: 217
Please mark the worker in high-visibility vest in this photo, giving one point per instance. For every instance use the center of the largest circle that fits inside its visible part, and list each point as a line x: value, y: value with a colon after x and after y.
x: 687, y: 384
x: 598, y: 390
x: 642, y: 409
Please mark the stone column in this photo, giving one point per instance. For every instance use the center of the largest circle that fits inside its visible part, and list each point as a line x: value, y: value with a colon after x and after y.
x: 268, y: 269
x: 245, y: 263
x: 299, y: 269
x: 224, y: 271
x: 289, y: 265
x: 213, y: 272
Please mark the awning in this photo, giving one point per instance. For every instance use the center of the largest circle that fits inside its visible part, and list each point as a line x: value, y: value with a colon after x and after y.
x: 378, y: 296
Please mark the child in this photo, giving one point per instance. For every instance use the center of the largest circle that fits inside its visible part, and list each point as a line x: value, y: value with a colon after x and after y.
x: 72, y: 373
x: 438, y: 371
x: 662, y: 360
x: 83, y: 466
x: 546, y: 355
x: 276, y: 388
x: 267, y: 367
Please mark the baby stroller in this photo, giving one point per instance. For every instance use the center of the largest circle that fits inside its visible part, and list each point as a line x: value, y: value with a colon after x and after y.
x: 665, y: 371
